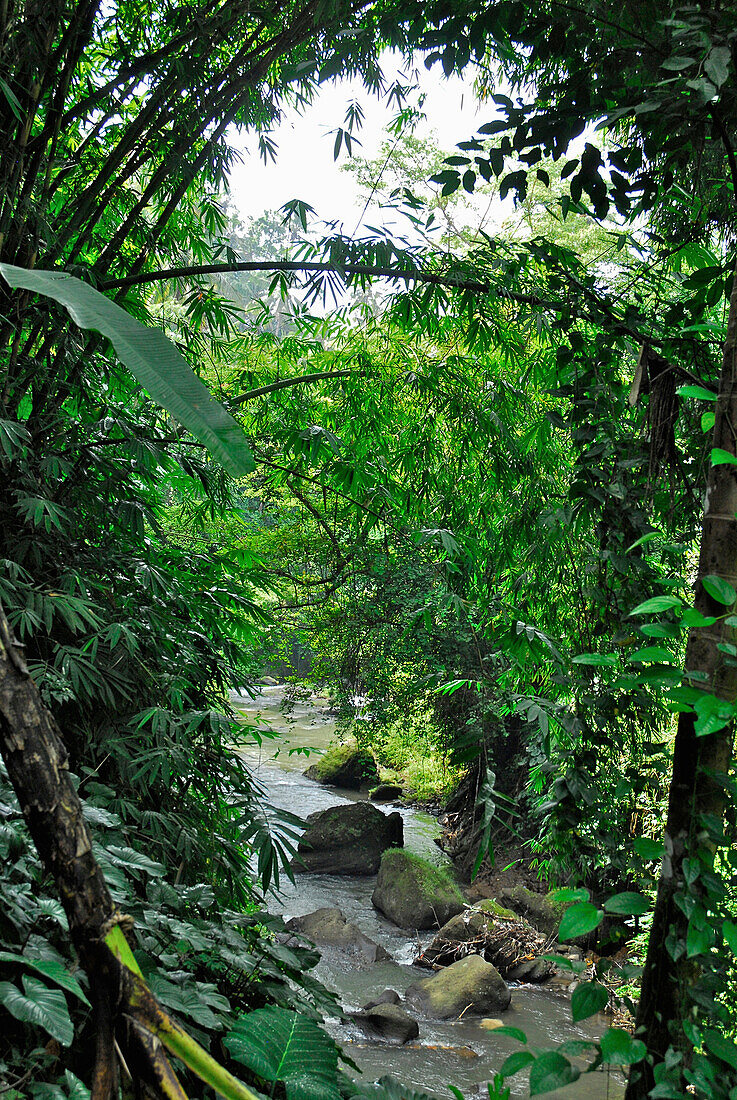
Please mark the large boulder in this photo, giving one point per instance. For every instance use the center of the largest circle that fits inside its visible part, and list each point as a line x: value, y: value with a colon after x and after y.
x: 388, y: 1022
x: 345, y: 765
x: 413, y: 893
x: 348, y: 839
x: 329, y: 928
x: 470, y: 986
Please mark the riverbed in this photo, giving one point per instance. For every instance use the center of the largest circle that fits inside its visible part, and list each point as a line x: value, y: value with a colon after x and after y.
x: 459, y: 1052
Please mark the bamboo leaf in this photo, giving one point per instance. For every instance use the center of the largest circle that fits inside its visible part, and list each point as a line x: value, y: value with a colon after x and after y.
x: 118, y: 944
x: 150, y: 357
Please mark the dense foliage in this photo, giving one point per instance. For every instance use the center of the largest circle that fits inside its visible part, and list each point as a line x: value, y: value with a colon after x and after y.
x: 477, y: 495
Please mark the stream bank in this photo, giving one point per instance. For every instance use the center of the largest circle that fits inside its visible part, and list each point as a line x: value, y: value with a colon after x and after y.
x: 458, y: 1052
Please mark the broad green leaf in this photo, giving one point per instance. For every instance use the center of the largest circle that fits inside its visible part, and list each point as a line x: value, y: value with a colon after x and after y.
x: 515, y: 1062
x: 729, y: 931
x: 280, y: 1045
x: 647, y: 848
x: 569, y: 894
x: 618, y: 1048
x: 699, y: 939
x: 588, y: 999
x: 707, y: 421
x: 691, y: 617
x: 717, y: 65
x: 697, y: 391
x: 720, y: 1045
x: 657, y: 603
x: 659, y: 630
x: 597, y: 659
x: 712, y: 714
x: 551, y: 1071
x: 129, y: 857
x: 719, y: 589
x: 576, y: 1047
x: 51, y: 969
x: 38, y: 1005
x: 628, y: 904
x: 651, y: 653
x: 512, y: 1032
x: 579, y: 920
x: 720, y: 457
x: 675, y: 64
x: 151, y: 358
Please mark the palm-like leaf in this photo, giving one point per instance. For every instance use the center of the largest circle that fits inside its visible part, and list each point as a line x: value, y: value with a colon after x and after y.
x: 150, y: 357
x: 280, y: 1045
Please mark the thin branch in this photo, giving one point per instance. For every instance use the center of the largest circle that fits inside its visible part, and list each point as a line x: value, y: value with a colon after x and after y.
x: 400, y: 274
x: 453, y: 282
x: 297, y: 381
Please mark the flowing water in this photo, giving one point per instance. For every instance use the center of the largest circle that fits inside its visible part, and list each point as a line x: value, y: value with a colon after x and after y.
x: 459, y: 1052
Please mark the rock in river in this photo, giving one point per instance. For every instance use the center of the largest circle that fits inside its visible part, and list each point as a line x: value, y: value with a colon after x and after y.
x: 348, y: 839
x: 387, y: 1021
x: 413, y: 893
x: 329, y: 928
x: 345, y: 765
x: 386, y: 792
x: 510, y: 943
x: 470, y: 986
x: 388, y: 997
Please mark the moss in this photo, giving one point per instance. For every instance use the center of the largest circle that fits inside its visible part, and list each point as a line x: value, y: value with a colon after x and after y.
x: 344, y: 764
x: 406, y: 865
x: 494, y: 909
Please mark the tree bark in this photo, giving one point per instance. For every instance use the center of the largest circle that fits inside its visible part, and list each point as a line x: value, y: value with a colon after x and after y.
x: 664, y: 1000
x: 36, y: 760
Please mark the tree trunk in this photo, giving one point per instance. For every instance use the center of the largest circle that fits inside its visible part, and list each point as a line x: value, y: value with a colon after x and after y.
x: 664, y: 1001
x: 36, y: 760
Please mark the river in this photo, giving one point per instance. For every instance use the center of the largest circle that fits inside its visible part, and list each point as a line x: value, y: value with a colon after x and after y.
x: 459, y: 1052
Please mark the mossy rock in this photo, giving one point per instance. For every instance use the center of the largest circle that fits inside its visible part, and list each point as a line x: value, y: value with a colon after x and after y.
x: 494, y: 909
x: 386, y: 792
x: 328, y: 928
x: 540, y: 910
x: 470, y: 986
x: 413, y: 893
x: 347, y: 839
x: 345, y: 765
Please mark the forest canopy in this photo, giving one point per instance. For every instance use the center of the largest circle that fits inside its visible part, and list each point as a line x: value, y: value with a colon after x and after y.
x: 483, y: 478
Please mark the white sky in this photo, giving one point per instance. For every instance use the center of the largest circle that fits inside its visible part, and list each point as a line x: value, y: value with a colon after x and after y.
x: 305, y: 168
